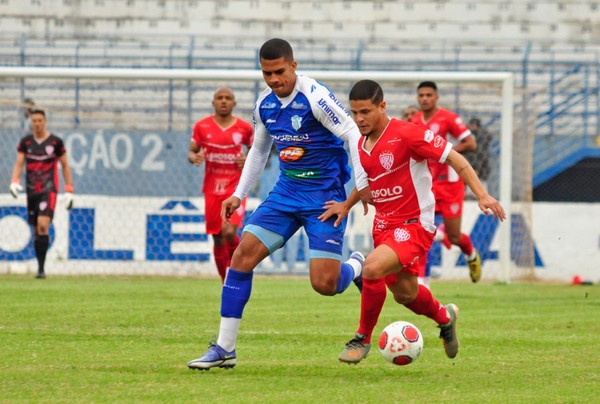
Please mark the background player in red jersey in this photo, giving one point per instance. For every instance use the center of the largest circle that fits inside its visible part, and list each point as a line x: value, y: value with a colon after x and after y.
x: 40, y: 151
x: 394, y: 155
x: 448, y: 187
x: 218, y: 139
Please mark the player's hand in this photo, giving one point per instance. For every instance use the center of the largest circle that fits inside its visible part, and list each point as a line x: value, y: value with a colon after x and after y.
x: 68, y: 200
x: 240, y: 160
x: 366, y: 197
x: 229, y: 206
x: 198, y: 158
x: 489, y: 205
x: 15, y: 188
x: 339, y: 209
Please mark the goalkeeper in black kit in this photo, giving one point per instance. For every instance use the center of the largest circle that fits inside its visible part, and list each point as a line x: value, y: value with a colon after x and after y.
x: 40, y: 151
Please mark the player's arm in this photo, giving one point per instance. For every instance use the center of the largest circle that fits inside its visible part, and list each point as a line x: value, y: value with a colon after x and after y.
x: 68, y: 177
x: 343, y: 126
x: 253, y: 169
x: 467, y: 144
x: 15, y: 183
x: 466, y: 140
x: 486, y: 203
x: 195, y: 154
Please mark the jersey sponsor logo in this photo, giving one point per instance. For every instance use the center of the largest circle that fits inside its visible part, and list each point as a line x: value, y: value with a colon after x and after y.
x: 298, y: 105
x: 429, y: 135
x: 387, y: 194
x: 296, y: 122
x: 323, y: 104
x: 380, y: 224
x: 401, y: 235
x: 386, y: 159
x: 301, y: 174
x: 438, y: 142
x: 49, y: 150
x: 268, y: 105
x: 224, y: 158
x: 303, y: 137
x: 435, y: 127
x: 291, y: 153
x: 271, y: 120
x: 339, y: 104
x: 394, y: 140
x: 330, y: 241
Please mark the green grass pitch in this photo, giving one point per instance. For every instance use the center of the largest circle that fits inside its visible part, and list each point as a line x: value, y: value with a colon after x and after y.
x: 116, y: 339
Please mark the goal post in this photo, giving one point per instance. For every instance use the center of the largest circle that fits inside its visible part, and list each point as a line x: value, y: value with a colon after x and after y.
x: 503, y: 81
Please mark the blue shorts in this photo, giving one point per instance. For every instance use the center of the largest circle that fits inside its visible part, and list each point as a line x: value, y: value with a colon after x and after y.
x: 281, y: 215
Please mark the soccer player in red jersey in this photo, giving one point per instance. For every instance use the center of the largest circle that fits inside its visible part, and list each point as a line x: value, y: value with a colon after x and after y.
x: 394, y: 155
x: 40, y: 152
x: 448, y: 187
x: 218, y: 139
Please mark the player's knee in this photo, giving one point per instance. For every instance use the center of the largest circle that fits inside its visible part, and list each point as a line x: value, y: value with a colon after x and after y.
x: 324, y: 287
x: 454, y: 238
x: 373, y: 270
x: 405, y: 296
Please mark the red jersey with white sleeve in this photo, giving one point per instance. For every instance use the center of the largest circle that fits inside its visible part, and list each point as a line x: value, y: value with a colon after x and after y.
x: 222, y: 146
x: 449, y: 126
x: 399, y: 177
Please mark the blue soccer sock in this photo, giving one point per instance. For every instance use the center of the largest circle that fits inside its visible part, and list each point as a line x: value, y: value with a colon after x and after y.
x: 347, y: 274
x: 236, y: 293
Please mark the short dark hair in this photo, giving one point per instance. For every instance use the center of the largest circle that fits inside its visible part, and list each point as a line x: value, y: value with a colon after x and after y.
x: 475, y: 121
x: 276, y: 48
x: 427, y: 84
x: 366, y: 90
x: 38, y: 111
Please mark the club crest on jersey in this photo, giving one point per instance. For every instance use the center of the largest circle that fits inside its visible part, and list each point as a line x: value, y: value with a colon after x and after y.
x: 429, y: 135
x: 401, y: 235
x: 237, y: 138
x: 386, y: 159
x: 435, y: 127
x: 296, y: 122
x: 43, y: 205
x: 49, y: 150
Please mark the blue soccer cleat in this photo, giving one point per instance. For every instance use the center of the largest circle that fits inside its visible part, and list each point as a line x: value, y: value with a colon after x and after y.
x: 214, y: 357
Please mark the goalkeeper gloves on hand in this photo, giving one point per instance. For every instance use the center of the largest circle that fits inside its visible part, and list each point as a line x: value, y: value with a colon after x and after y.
x: 15, y: 188
x: 68, y: 198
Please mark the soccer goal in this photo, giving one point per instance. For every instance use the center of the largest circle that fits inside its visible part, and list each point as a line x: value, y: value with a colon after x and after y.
x: 139, y: 209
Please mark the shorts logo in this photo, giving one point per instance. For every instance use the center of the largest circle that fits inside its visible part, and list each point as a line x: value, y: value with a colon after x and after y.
x: 438, y: 142
x: 401, y: 235
x: 291, y: 154
x: 429, y: 136
x: 43, y: 205
x: 296, y: 122
x: 454, y: 207
x: 49, y: 150
x: 386, y: 159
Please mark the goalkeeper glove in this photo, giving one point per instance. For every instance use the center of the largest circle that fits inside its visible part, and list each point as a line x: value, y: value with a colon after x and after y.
x: 68, y: 196
x: 15, y: 187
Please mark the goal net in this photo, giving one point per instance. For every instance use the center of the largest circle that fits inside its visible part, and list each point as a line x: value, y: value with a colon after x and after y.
x: 139, y: 209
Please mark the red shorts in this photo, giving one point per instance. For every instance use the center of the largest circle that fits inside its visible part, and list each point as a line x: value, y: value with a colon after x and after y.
x: 212, y: 213
x: 449, y: 197
x: 410, y: 242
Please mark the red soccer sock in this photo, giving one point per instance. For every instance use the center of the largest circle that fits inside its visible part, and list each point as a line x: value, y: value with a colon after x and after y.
x: 221, y: 254
x: 465, y: 244
x: 231, y: 246
x: 427, y: 305
x: 371, y: 303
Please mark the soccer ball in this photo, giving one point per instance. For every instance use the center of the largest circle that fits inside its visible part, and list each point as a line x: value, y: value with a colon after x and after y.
x: 401, y: 343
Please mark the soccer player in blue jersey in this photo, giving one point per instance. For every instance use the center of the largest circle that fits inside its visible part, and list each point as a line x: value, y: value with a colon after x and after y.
x: 308, y: 126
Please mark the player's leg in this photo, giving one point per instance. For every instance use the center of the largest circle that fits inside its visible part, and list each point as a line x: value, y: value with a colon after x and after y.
x: 328, y: 275
x: 256, y: 244
x: 379, y: 262
x: 230, y: 229
x: 214, y: 223
x: 41, y: 211
x: 451, y: 210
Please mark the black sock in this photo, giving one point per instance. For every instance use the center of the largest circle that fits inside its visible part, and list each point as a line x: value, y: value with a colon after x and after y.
x: 40, y: 245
